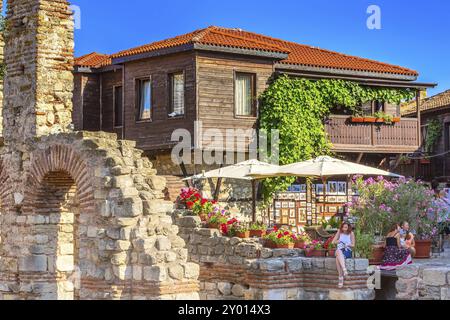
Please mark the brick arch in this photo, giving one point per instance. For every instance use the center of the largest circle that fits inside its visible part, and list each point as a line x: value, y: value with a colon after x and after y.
x: 60, y: 158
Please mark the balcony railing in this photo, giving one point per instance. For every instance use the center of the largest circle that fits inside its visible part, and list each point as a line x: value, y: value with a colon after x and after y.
x: 346, y: 136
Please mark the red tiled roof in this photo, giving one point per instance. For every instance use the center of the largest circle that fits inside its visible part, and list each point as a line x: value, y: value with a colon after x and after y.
x: 93, y: 60
x: 298, y: 54
x: 436, y: 102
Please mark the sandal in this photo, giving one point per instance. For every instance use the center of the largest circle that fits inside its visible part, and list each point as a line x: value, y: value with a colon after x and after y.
x: 341, y: 282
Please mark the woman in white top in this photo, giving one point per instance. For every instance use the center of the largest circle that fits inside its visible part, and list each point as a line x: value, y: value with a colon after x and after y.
x: 345, y: 242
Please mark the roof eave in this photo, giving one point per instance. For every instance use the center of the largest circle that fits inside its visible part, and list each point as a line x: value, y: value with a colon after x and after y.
x: 242, y: 51
x: 152, y: 54
x: 344, y: 72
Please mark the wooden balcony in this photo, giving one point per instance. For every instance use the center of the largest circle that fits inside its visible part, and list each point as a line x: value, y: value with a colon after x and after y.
x: 402, y: 137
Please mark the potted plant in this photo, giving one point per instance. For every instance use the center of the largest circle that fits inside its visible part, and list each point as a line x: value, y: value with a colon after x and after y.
x: 242, y: 231
x: 258, y: 229
x: 383, y: 117
x: 357, y: 118
x: 330, y: 247
x: 316, y: 249
x: 396, y: 119
x: 302, y: 240
x: 279, y: 239
x: 229, y: 228
x: 217, y: 218
x: 368, y: 119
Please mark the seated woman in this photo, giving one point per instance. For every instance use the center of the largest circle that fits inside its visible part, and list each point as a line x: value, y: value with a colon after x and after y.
x: 395, y: 256
x: 345, y: 241
x: 410, y: 242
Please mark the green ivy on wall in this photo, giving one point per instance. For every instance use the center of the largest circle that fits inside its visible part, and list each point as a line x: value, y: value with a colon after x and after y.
x: 297, y: 108
x: 434, y: 133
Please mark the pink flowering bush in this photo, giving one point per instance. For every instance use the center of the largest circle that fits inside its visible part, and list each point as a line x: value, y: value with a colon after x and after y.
x: 382, y: 203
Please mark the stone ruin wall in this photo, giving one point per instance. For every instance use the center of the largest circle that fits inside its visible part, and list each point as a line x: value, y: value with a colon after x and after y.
x: 81, y: 214
x: 424, y: 282
x: 242, y: 269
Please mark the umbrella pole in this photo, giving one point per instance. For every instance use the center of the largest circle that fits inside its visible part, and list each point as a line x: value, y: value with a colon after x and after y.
x: 217, y: 191
x: 324, y: 196
x: 254, y: 200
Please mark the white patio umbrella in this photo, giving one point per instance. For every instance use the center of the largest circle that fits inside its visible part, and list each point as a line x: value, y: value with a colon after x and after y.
x: 323, y: 168
x: 240, y: 171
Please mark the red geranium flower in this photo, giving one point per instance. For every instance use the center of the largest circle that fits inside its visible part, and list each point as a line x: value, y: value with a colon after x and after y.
x: 189, y: 204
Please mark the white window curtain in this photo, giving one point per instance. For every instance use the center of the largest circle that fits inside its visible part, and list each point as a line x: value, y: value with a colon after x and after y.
x: 243, y: 95
x: 178, y: 94
x: 145, y: 106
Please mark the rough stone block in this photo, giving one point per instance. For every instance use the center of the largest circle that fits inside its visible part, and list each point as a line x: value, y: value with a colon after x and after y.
x: 238, y: 290
x: 155, y: 273
x: 294, y: 264
x: 176, y: 272
x: 191, y: 270
x: 408, y: 272
x: 224, y: 288
x: 341, y: 294
x: 272, y: 265
x: 34, y: 263
x: 65, y: 263
x: 361, y: 264
x: 435, y: 276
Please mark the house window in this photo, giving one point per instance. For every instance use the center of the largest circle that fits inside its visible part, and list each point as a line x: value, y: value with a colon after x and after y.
x: 379, y: 106
x: 244, y: 91
x: 118, y: 109
x: 144, y: 101
x: 176, y: 82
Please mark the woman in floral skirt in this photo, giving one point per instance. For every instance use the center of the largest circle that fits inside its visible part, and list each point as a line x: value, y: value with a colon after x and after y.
x: 395, y: 256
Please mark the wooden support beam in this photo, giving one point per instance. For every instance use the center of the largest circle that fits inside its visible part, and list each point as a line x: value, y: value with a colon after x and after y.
x: 359, y: 159
x: 419, y: 122
x: 217, y: 191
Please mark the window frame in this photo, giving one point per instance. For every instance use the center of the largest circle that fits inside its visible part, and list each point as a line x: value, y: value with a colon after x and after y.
x: 254, y: 82
x: 137, y: 90
x: 170, y: 96
x: 114, y: 107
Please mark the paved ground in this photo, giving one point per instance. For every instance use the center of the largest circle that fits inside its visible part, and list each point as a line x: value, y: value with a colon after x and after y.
x: 438, y: 259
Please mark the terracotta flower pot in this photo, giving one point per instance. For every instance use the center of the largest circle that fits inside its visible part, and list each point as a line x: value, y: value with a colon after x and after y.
x: 379, y: 120
x: 370, y: 119
x: 243, y: 235
x: 319, y: 253
x: 310, y: 252
x: 203, y: 217
x: 357, y: 119
x: 257, y: 233
x: 396, y: 120
x: 423, y: 249
x: 377, y: 255
x: 425, y: 161
x: 332, y: 253
x: 284, y: 246
x: 299, y: 244
x: 213, y: 225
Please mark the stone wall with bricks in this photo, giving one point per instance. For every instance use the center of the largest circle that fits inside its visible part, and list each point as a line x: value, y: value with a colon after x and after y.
x: 424, y: 282
x: 234, y: 268
x: 82, y: 214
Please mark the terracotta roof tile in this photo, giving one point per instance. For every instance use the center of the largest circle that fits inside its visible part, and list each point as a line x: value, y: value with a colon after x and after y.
x: 298, y: 54
x: 93, y: 60
x: 441, y: 100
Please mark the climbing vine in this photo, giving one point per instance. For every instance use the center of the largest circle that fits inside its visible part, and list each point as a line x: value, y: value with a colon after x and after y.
x: 434, y: 133
x: 297, y: 108
x: 2, y: 37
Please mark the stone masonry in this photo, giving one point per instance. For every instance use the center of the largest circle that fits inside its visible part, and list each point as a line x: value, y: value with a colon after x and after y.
x: 242, y: 269
x: 424, y: 282
x: 81, y: 214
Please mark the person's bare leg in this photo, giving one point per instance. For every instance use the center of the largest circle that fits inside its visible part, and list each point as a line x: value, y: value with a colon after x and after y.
x: 339, y: 268
x: 412, y: 250
x: 341, y: 258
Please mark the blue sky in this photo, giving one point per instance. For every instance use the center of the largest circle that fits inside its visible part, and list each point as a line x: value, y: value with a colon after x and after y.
x: 414, y: 33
